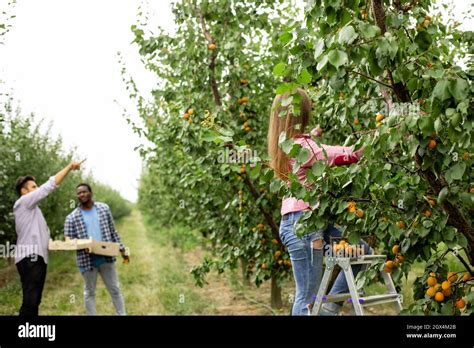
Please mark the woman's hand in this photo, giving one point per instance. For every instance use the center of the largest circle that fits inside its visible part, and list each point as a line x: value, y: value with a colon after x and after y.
x: 317, y: 131
x: 360, y: 152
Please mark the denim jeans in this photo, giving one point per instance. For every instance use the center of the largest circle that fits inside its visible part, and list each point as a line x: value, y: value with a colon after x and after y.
x: 307, y: 263
x: 109, y: 276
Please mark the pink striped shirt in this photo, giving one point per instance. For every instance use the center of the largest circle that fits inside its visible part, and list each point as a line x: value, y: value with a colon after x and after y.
x: 336, y: 155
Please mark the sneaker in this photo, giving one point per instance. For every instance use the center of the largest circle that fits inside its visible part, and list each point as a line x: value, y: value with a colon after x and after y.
x: 330, y: 309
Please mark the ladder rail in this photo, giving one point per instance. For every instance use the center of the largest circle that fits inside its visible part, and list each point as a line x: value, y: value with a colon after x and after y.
x: 392, y: 290
x: 323, y: 287
x: 352, y: 288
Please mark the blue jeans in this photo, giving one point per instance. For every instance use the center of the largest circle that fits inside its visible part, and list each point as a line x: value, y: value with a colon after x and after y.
x: 109, y: 275
x: 307, y: 263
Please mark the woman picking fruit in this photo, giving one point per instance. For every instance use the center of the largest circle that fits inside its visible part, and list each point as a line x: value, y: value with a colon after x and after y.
x: 306, y: 252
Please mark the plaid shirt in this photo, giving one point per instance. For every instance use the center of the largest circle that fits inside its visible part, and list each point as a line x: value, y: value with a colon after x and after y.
x: 74, y: 227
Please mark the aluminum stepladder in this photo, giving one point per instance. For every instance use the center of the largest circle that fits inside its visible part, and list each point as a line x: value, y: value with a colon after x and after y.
x: 358, y: 301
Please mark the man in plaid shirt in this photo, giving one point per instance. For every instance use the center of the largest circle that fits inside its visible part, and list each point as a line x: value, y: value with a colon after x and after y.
x: 94, y: 220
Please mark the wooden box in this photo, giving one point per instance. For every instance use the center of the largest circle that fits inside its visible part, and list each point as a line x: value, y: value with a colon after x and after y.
x: 105, y: 248
x: 94, y: 246
x: 70, y: 244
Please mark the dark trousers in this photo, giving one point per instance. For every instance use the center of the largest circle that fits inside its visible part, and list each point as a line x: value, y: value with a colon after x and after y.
x: 32, y: 271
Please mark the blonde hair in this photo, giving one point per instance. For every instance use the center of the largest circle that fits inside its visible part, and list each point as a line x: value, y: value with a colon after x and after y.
x: 279, y: 161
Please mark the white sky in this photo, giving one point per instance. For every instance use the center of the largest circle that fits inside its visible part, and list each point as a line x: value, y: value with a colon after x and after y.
x: 60, y: 60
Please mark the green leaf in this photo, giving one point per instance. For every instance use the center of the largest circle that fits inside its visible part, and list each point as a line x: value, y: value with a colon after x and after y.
x: 318, y: 168
x: 227, y: 132
x: 467, y: 199
x: 305, y: 77
x: 283, y: 88
x: 285, y: 37
x: 322, y: 63
x: 337, y: 58
x: 462, y: 240
x: 441, y: 90
x: 368, y: 30
x: 449, y: 233
x: 303, y: 156
x: 426, y: 125
x: 447, y: 308
x: 442, y: 195
x: 438, y: 125
x: 455, y: 119
x: 208, y: 135
x: 423, y: 40
x: 456, y: 172
x: 347, y: 35
x: 318, y: 48
x: 255, y: 171
x: 459, y: 89
x: 287, y: 145
x: 279, y: 69
x: 354, y: 237
x: 275, y: 186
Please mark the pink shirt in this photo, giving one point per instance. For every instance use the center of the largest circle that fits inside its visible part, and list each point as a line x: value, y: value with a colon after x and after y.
x: 336, y: 155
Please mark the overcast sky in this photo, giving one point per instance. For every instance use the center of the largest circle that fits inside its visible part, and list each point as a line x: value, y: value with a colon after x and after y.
x: 60, y: 60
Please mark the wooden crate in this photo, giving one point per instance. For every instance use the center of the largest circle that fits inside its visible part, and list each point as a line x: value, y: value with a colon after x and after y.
x: 94, y: 246
x: 105, y: 248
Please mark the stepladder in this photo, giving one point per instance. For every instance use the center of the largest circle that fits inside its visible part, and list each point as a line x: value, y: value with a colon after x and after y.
x: 355, y: 296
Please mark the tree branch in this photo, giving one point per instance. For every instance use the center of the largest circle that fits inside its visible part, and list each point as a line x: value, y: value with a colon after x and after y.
x: 212, y: 64
x: 268, y: 217
x: 399, y: 88
x: 371, y: 78
x: 465, y: 264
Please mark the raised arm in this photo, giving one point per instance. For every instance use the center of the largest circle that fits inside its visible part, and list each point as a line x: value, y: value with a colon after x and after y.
x: 59, y: 177
x: 332, y: 155
x: 342, y: 155
x: 32, y: 198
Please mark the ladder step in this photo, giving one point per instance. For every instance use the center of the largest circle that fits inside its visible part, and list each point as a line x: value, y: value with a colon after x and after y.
x: 338, y: 297
x: 372, y: 257
x: 365, y: 259
x: 378, y: 299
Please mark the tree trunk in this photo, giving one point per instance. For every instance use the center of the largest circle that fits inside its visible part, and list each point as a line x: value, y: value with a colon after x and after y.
x: 276, y: 301
x: 455, y: 217
x: 245, y: 276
